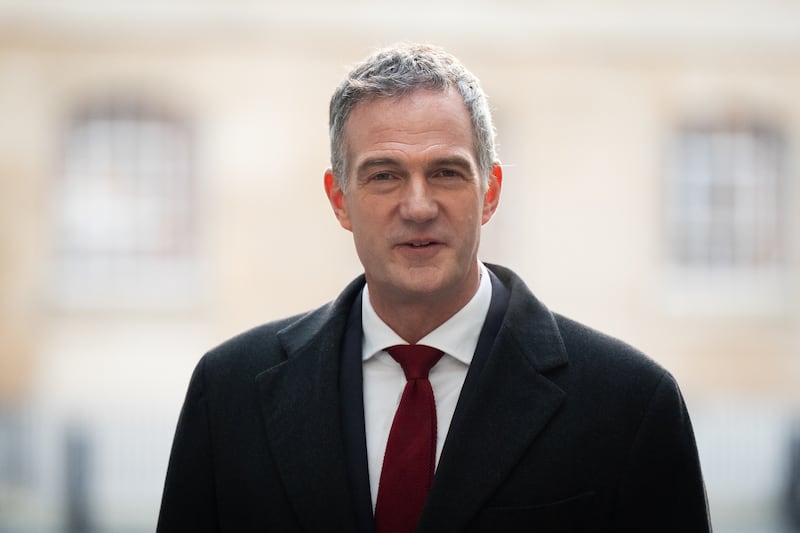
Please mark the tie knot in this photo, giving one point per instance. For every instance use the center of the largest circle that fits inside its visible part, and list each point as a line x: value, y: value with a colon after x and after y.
x: 416, y: 359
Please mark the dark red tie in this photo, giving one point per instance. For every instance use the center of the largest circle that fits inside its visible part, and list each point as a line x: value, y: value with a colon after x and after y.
x: 408, y: 465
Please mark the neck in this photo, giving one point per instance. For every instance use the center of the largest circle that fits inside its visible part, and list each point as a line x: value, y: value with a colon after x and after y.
x: 414, y: 316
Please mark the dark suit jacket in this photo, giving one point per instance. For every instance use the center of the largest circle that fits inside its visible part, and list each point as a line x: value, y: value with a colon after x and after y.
x: 558, y: 428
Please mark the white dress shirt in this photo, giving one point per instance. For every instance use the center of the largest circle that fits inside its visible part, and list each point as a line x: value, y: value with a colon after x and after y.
x: 384, y: 380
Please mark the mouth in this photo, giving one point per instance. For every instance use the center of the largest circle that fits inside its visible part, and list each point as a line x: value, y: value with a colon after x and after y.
x: 417, y: 250
x: 416, y: 244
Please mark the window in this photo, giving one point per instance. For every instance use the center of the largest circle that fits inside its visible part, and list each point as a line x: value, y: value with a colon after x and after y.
x: 125, y: 216
x: 726, y: 215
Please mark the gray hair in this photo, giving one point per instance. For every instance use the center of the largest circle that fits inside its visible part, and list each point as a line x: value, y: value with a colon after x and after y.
x: 399, y: 70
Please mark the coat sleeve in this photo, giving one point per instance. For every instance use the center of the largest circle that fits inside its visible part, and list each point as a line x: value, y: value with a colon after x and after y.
x: 662, y: 487
x: 188, y: 502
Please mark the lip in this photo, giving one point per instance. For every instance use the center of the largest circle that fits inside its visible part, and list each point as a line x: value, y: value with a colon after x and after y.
x: 420, y: 242
x: 420, y: 248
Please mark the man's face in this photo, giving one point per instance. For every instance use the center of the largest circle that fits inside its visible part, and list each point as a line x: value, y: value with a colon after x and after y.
x: 415, y: 200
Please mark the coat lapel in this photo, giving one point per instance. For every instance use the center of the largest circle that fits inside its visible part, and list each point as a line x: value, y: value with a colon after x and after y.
x: 300, y: 404
x: 506, y: 402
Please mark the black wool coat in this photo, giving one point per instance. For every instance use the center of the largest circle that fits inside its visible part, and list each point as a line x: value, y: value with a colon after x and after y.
x: 558, y: 428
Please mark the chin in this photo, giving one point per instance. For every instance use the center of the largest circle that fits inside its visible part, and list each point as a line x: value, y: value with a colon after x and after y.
x: 422, y: 285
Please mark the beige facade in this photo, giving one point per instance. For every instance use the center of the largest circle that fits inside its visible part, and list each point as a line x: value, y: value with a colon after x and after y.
x: 588, y: 101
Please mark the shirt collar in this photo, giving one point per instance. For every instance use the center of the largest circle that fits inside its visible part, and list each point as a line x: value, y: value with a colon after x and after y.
x: 457, y: 337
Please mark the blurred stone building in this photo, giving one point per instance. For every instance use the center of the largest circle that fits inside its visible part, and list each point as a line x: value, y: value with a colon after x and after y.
x: 161, y: 189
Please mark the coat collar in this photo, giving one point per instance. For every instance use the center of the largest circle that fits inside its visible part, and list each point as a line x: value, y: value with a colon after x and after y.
x: 505, y: 404
x: 300, y: 406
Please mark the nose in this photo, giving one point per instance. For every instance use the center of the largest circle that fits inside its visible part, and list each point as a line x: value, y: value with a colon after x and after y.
x: 418, y: 203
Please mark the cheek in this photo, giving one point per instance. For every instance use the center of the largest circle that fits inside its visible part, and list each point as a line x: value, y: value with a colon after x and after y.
x: 369, y: 214
x: 366, y: 227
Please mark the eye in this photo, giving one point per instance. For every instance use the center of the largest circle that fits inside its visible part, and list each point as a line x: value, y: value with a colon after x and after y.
x: 381, y: 176
x: 447, y: 173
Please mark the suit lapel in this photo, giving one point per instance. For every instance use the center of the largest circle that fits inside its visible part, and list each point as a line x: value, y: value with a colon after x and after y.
x: 300, y: 406
x: 506, y: 402
x: 351, y: 385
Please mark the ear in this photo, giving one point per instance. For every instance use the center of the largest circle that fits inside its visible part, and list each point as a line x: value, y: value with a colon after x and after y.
x: 492, y: 195
x: 336, y: 199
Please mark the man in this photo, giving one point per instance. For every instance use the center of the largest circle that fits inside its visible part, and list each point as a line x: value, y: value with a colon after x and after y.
x: 531, y: 421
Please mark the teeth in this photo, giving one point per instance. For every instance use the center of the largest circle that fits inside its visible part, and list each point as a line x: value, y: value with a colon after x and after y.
x: 417, y: 244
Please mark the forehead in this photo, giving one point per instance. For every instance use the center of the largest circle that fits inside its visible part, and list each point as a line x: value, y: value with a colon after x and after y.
x: 418, y: 120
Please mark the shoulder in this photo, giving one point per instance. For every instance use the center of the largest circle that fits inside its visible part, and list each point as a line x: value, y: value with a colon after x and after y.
x: 554, y: 339
x: 611, y: 378
x: 234, y: 363
x: 576, y: 355
x: 587, y: 345
x: 269, y: 344
x: 258, y: 344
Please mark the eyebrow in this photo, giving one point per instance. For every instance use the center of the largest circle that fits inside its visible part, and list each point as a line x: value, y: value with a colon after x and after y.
x: 376, y: 162
x: 453, y: 161
x: 447, y: 161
